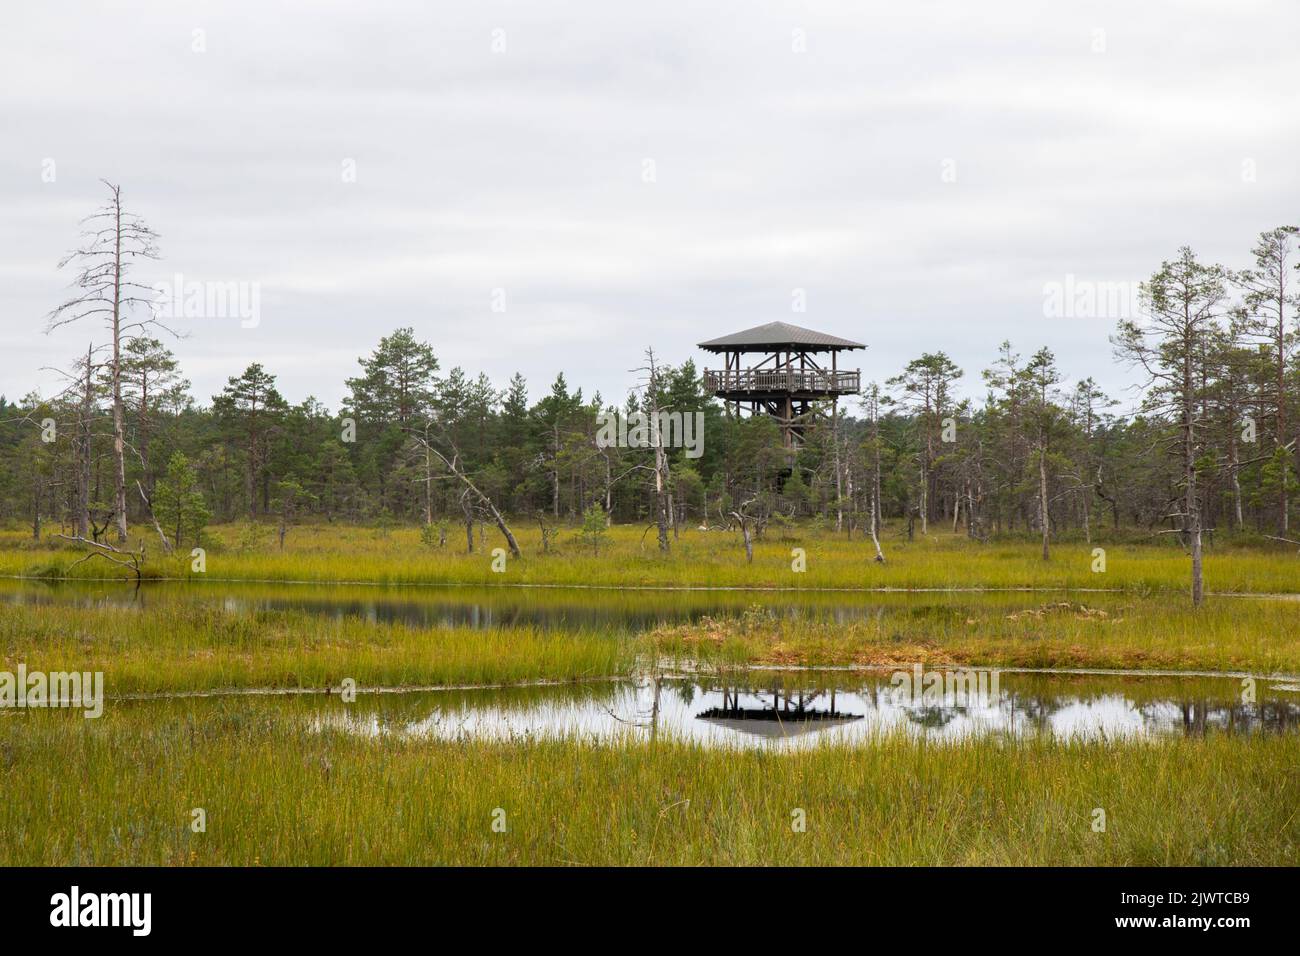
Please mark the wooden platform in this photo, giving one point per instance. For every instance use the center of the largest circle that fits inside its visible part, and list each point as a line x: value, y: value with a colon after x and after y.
x: 761, y: 384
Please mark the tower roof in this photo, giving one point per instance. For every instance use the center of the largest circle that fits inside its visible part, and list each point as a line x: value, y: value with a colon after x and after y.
x: 777, y: 335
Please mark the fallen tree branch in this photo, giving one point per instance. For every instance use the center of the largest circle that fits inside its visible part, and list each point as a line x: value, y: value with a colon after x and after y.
x: 131, y: 560
x: 452, y: 465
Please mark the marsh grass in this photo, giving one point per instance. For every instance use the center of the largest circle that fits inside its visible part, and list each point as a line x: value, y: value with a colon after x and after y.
x: 698, y: 559
x: 120, y: 790
x: 1152, y: 632
x: 280, y: 788
x: 181, y: 646
x: 188, y: 639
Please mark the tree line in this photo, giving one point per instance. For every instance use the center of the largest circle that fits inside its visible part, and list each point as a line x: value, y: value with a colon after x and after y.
x: 1210, y: 451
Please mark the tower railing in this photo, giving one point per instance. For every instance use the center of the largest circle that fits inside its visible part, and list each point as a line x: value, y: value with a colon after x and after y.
x: 822, y: 381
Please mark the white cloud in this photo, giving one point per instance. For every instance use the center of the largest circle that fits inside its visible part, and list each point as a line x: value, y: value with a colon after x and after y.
x: 522, y: 170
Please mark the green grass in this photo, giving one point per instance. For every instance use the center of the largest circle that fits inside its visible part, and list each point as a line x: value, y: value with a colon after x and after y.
x: 180, y: 647
x: 187, y: 639
x: 698, y: 559
x: 121, y: 790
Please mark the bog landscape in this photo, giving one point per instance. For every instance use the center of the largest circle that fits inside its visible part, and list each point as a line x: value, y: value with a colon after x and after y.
x: 759, y: 610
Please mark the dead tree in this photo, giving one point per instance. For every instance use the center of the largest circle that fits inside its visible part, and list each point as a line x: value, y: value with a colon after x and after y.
x: 85, y: 440
x: 472, y: 496
x: 112, y: 241
x: 80, y: 394
x: 745, y: 520
x: 653, y: 410
x: 467, y: 509
x: 839, y: 471
x: 131, y: 560
x: 872, y: 403
x: 549, y: 531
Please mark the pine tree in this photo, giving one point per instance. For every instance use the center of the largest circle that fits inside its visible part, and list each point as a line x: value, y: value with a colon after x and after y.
x: 178, y: 503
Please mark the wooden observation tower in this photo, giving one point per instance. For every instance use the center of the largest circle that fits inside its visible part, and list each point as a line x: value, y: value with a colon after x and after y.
x: 786, y: 378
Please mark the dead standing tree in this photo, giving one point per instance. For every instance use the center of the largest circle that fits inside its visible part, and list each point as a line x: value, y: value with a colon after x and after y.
x: 746, y: 521
x: 82, y: 394
x: 872, y: 405
x: 656, y: 414
x: 111, y: 242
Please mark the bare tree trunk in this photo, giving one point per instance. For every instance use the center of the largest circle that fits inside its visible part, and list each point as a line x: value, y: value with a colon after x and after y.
x: 1042, y: 499
x: 925, y: 497
x: 661, y: 458
x: 36, y: 508
x: 672, y: 512
x: 1194, y: 532
x: 468, y: 511
x: 250, y: 486
x: 661, y: 497
x: 84, y: 430
x: 609, y: 492
x: 142, y: 434
x: 839, y: 487
x: 970, y: 511
x: 1193, y: 517
x: 555, y: 471
x: 745, y: 535
x: 119, y: 424
x: 1283, y: 505
x: 848, y: 493
x: 1236, y: 492
x: 875, y: 495
x: 1086, y: 511
x: 428, y: 483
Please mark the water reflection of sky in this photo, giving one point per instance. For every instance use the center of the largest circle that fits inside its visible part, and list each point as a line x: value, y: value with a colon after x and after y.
x: 502, y: 607
x: 717, y: 716
x: 477, y: 608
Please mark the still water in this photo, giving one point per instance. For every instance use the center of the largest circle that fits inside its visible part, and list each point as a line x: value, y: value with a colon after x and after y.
x: 626, y: 610
x: 795, y: 710
x: 772, y: 710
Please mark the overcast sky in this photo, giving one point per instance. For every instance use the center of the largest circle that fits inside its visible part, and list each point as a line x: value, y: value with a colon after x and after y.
x: 923, y: 171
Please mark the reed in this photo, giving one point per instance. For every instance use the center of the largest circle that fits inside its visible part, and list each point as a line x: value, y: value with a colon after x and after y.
x: 192, y: 640
x: 698, y: 559
x: 186, y: 647
x: 122, y: 789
